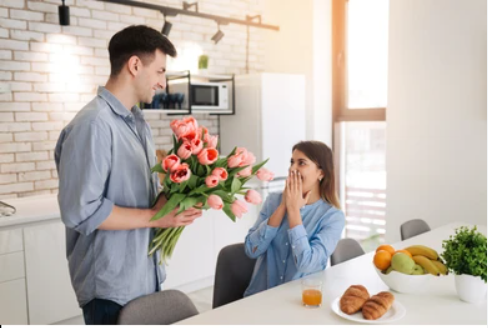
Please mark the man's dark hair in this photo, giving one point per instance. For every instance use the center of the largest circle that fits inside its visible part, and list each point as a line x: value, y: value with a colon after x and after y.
x: 137, y: 40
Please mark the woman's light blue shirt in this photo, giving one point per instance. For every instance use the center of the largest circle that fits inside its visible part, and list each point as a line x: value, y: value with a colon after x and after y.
x: 285, y: 254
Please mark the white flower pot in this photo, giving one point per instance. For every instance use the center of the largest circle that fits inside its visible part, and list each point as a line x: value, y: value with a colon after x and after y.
x: 470, y: 289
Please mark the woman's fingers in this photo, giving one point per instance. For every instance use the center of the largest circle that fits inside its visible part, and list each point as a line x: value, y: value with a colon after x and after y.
x: 290, y: 189
x: 293, y: 181
x: 299, y: 183
x: 296, y: 181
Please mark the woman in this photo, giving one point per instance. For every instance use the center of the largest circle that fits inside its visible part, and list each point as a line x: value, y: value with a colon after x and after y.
x: 298, y: 229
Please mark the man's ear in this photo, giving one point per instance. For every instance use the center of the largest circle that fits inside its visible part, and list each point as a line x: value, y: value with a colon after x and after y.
x: 134, y: 65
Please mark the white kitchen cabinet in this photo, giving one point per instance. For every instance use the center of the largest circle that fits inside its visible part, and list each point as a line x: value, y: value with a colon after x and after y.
x: 13, y: 304
x: 193, y: 254
x: 12, y: 266
x: 11, y: 241
x: 51, y: 297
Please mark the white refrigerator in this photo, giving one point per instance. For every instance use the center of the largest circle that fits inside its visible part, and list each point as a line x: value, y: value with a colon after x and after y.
x: 269, y: 119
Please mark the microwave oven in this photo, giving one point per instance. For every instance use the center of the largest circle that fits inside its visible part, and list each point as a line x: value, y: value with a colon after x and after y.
x: 203, y: 95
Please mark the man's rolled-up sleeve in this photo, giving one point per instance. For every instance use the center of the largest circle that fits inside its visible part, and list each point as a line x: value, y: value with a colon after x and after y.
x: 84, y: 158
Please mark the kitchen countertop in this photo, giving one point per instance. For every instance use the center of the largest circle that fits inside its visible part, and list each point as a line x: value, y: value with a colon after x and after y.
x: 31, y: 210
x: 45, y: 207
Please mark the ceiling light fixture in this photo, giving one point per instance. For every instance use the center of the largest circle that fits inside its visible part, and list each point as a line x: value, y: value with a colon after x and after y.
x: 218, y: 36
x: 63, y: 12
x: 166, y: 27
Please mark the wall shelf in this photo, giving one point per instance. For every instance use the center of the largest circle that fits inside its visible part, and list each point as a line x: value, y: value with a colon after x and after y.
x: 186, y: 75
x: 166, y: 111
x: 213, y: 112
x: 172, y: 74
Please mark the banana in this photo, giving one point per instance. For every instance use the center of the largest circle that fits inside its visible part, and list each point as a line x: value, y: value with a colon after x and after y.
x: 441, y: 266
x: 423, y: 250
x: 426, y: 264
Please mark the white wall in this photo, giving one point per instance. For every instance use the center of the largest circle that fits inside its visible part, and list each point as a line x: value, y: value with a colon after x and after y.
x: 303, y: 46
x: 436, y: 117
x: 322, y: 71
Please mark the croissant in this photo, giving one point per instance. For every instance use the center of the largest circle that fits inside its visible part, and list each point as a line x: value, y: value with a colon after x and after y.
x: 377, y: 305
x: 353, y: 299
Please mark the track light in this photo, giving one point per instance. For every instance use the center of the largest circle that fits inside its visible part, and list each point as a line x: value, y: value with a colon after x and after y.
x: 187, y: 5
x: 63, y: 12
x: 166, y: 27
x: 218, y: 36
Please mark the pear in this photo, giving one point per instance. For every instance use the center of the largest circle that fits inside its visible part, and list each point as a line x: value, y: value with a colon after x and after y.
x: 417, y: 270
x: 402, y: 263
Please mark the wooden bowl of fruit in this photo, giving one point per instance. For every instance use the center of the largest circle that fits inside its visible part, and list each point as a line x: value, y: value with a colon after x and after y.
x: 410, y: 270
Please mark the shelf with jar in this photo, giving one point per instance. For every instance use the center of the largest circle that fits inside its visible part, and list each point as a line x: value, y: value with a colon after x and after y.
x: 188, y: 93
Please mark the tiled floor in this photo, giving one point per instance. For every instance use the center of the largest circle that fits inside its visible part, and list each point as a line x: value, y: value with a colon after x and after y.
x: 201, y: 298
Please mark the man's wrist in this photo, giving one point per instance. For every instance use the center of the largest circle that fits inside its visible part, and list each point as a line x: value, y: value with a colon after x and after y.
x: 149, y: 214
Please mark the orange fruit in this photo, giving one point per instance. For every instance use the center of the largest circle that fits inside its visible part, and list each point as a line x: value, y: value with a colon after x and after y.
x: 382, y: 259
x: 404, y: 251
x: 387, y: 248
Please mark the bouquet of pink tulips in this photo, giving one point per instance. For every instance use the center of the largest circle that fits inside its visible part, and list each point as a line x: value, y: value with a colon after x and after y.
x: 195, y: 176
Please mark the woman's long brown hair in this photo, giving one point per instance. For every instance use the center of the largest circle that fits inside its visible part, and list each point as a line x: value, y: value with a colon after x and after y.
x: 322, y: 156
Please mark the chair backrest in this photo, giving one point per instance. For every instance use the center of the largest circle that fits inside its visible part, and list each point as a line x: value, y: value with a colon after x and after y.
x: 346, y: 249
x: 232, y: 275
x: 161, y: 308
x: 413, y: 228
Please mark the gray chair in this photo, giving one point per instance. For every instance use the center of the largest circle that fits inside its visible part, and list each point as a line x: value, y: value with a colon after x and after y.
x: 232, y: 275
x: 346, y: 249
x: 161, y: 308
x: 413, y: 228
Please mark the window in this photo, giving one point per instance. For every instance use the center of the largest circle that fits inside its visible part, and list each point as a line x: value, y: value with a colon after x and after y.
x: 360, y: 44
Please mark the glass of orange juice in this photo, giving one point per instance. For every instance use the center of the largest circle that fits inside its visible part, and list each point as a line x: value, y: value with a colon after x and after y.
x: 312, y: 292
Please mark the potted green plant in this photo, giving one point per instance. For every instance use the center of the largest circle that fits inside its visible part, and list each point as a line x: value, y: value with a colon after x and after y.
x: 203, y: 63
x: 465, y: 256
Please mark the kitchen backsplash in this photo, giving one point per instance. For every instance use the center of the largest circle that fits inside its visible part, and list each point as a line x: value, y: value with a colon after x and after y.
x: 53, y: 71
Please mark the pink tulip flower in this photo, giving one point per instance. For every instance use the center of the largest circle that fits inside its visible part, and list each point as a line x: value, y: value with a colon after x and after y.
x: 170, y: 163
x: 265, y: 174
x: 185, y: 150
x: 238, y: 208
x: 221, y: 173
x: 182, y: 173
x: 215, y: 202
x: 253, y: 197
x: 208, y: 156
x: 212, y: 181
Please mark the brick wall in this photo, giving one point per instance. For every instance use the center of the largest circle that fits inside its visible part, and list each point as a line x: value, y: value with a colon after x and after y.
x: 54, y: 70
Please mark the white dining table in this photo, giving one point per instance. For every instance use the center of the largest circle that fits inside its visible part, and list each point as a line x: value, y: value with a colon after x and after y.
x: 438, y: 304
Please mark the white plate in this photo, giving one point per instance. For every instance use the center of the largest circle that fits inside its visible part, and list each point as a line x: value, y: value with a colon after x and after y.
x: 396, y: 312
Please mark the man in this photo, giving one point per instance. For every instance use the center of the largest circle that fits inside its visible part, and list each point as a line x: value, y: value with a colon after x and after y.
x: 106, y: 190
